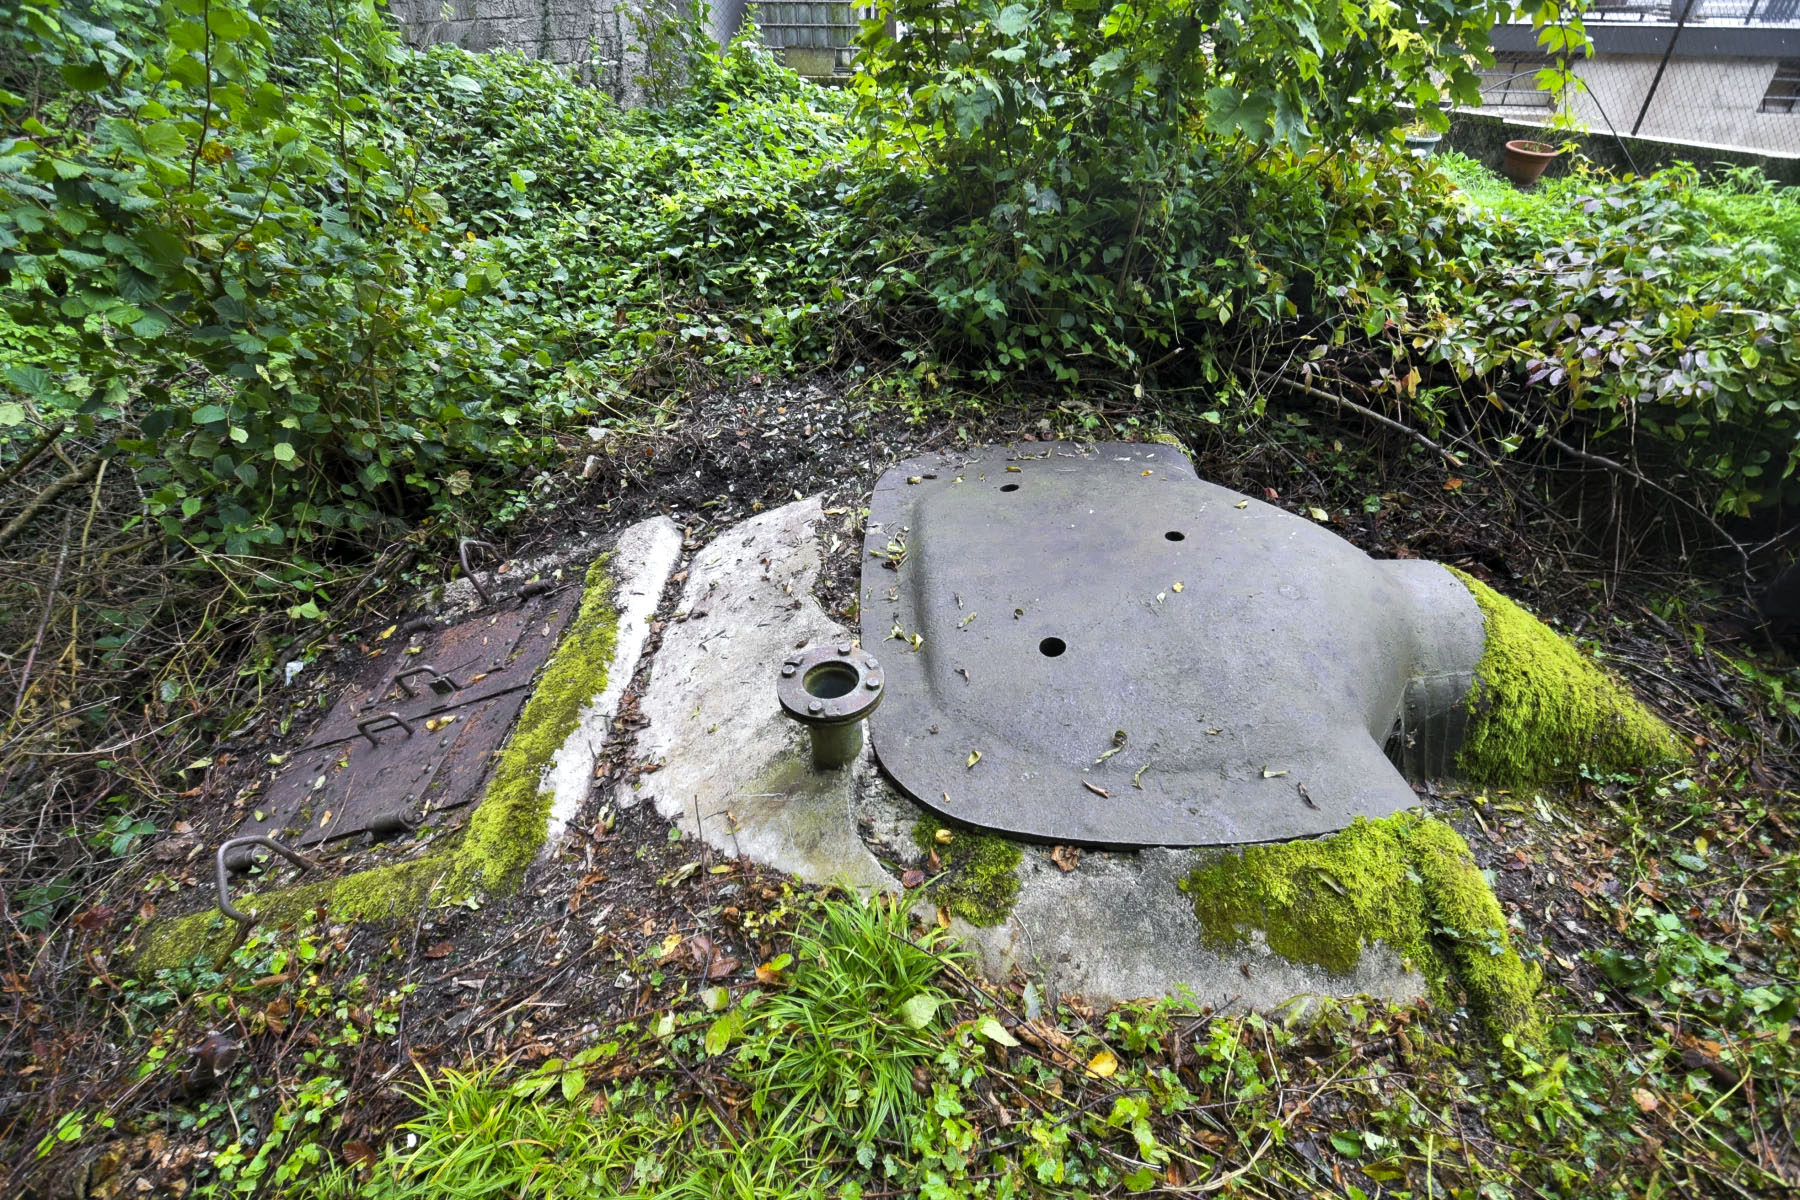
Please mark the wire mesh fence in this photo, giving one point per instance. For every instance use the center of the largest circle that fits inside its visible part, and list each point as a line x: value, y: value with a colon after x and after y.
x: 1706, y: 73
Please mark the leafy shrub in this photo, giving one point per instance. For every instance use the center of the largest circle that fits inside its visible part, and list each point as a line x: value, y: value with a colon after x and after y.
x: 1095, y: 184
x: 1616, y: 306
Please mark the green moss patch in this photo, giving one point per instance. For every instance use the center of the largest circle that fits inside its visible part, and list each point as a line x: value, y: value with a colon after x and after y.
x: 1541, y: 709
x: 980, y: 880
x: 1406, y: 881
x: 501, y: 837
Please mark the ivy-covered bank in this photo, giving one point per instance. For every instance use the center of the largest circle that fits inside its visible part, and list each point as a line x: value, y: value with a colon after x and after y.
x: 502, y: 836
x: 1406, y: 881
x: 1541, y: 710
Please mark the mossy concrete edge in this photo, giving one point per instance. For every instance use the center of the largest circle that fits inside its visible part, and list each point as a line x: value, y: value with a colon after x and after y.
x: 980, y: 880
x: 502, y: 835
x: 1540, y: 708
x: 1406, y: 881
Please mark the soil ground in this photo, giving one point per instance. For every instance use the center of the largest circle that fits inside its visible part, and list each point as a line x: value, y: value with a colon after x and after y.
x: 624, y: 913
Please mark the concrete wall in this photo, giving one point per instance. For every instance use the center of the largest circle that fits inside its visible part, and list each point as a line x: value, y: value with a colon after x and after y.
x: 1707, y: 101
x: 1710, y: 90
x: 1483, y: 136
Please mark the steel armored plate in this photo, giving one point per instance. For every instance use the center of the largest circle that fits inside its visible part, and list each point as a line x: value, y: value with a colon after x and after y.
x: 415, y: 737
x: 1089, y: 644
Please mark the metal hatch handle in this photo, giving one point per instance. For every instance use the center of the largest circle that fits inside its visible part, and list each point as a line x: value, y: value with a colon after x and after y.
x: 439, y: 683
x: 225, y: 905
x: 462, y: 552
x: 369, y: 726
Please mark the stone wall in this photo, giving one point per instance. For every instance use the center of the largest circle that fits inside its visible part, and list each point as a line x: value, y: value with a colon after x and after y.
x: 599, y: 39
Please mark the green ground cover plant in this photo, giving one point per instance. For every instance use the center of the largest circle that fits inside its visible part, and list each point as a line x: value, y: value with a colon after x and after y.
x: 286, y: 307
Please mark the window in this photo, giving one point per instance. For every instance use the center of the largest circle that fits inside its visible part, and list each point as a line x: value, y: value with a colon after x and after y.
x: 1783, y: 95
x: 1512, y: 83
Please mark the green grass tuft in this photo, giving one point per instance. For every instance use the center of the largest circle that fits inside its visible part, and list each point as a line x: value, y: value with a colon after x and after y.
x: 836, y: 1052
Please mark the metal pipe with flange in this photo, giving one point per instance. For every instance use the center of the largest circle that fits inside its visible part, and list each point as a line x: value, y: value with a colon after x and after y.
x: 829, y: 690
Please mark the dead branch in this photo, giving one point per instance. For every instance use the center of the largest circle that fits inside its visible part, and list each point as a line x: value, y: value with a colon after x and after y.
x: 1352, y: 406
x: 44, y: 441
x: 73, y: 478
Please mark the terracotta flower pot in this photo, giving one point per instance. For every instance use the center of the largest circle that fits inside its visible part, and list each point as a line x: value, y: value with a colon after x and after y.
x: 1526, y: 160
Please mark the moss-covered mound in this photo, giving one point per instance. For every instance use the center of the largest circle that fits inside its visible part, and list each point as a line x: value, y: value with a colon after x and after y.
x: 501, y: 838
x: 1540, y: 709
x: 1406, y: 881
x: 980, y: 880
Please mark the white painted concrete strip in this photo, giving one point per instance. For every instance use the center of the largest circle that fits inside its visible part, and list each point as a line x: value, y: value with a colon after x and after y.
x: 642, y: 562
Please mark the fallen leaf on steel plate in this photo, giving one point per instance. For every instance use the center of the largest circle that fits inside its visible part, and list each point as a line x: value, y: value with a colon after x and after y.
x: 1066, y: 857
x: 440, y: 950
x: 1118, y: 744
x: 1177, y: 586
x: 1242, y: 504
x: 1136, y: 780
x: 1098, y: 791
x: 912, y: 878
x: 1305, y: 795
x: 1103, y: 1065
x: 974, y: 757
x: 1268, y: 774
x: 1014, y: 470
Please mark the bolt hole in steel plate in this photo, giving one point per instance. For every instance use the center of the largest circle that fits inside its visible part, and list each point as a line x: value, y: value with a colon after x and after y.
x: 1242, y: 651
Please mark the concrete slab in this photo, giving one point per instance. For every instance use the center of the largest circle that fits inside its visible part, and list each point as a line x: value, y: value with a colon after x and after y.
x: 735, y: 771
x: 1117, y: 928
x: 738, y: 772
x: 642, y: 560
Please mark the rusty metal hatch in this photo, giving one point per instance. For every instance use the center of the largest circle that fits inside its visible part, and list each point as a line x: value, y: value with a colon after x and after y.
x: 416, y: 737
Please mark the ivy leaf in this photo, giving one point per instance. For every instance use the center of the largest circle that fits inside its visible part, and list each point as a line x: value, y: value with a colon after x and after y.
x: 1140, y: 1180
x: 1013, y: 20
x: 1230, y: 111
